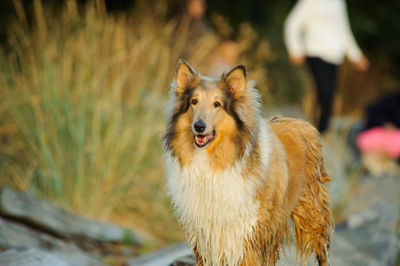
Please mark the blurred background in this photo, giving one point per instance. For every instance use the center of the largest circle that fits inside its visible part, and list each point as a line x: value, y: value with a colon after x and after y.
x: 83, y: 88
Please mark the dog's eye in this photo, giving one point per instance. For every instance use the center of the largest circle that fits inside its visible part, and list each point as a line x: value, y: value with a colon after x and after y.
x: 217, y: 104
x: 194, y: 101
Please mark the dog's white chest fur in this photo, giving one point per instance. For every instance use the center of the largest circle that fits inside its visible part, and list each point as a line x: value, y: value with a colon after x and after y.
x: 217, y: 209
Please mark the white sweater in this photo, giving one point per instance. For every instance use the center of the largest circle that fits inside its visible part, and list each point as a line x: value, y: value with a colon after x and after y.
x: 321, y: 28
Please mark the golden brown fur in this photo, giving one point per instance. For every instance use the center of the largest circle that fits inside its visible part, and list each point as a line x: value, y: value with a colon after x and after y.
x: 305, y: 199
x: 279, y: 161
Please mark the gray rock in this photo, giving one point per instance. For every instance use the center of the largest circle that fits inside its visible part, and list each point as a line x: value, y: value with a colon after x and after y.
x: 20, y: 237
x: 163, y: 257
x: 358, y: 219
x: 30, y: 257
x: 375, y: 234
x: 45, y: 215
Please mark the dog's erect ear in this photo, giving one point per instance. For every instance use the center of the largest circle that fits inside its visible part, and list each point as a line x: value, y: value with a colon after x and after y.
x: 186, y: 77
x: 235, y: 80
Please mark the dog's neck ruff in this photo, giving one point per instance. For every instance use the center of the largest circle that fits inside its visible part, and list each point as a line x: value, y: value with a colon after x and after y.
x: 218, y: 209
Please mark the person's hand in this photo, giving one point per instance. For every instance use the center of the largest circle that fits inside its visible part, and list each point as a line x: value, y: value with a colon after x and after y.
x: 297, y: 60
x: 362, y: 64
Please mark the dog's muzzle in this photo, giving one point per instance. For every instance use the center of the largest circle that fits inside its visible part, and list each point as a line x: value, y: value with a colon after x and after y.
x: 202, y: 140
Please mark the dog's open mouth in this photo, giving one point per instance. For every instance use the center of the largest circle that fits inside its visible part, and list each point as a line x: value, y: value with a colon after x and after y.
x: 203, y: 140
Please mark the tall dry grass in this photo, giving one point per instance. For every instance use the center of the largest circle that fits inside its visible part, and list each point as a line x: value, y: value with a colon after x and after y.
x: 82, y: 96
x: 82, y: 110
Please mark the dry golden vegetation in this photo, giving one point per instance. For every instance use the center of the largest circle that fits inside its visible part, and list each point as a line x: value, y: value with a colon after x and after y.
x: 83, y: 94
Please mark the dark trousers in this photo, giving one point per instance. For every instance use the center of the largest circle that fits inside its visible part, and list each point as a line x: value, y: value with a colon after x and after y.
x: 324, y: 75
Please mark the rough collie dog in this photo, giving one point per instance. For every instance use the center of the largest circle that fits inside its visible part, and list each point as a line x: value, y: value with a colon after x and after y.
x: 237, y: 179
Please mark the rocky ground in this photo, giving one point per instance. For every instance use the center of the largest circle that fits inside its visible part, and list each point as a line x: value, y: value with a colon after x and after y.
x: 36, y: 232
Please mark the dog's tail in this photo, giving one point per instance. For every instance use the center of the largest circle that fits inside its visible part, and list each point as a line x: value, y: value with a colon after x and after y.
x: 312, y: 216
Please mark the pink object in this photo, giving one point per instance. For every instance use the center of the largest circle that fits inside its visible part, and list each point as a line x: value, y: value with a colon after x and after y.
x: 379, y: 139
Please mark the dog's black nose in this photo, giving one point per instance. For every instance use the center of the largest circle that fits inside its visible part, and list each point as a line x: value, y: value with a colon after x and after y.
x: 199, y: 126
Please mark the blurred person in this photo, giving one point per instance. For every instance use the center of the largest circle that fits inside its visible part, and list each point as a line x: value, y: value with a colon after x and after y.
x: 384, y: 112
x: 191, y: 25
x: 379, y: 142
x: 196, y: 10
x: 318, y: 32
x: 226, y: 57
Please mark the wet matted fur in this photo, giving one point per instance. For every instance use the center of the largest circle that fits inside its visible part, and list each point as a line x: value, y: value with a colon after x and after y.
x: 236, y: 179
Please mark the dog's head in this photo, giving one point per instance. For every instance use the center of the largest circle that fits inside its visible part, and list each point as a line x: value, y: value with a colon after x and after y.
x: 210, y: 112
x: 208, y: 101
